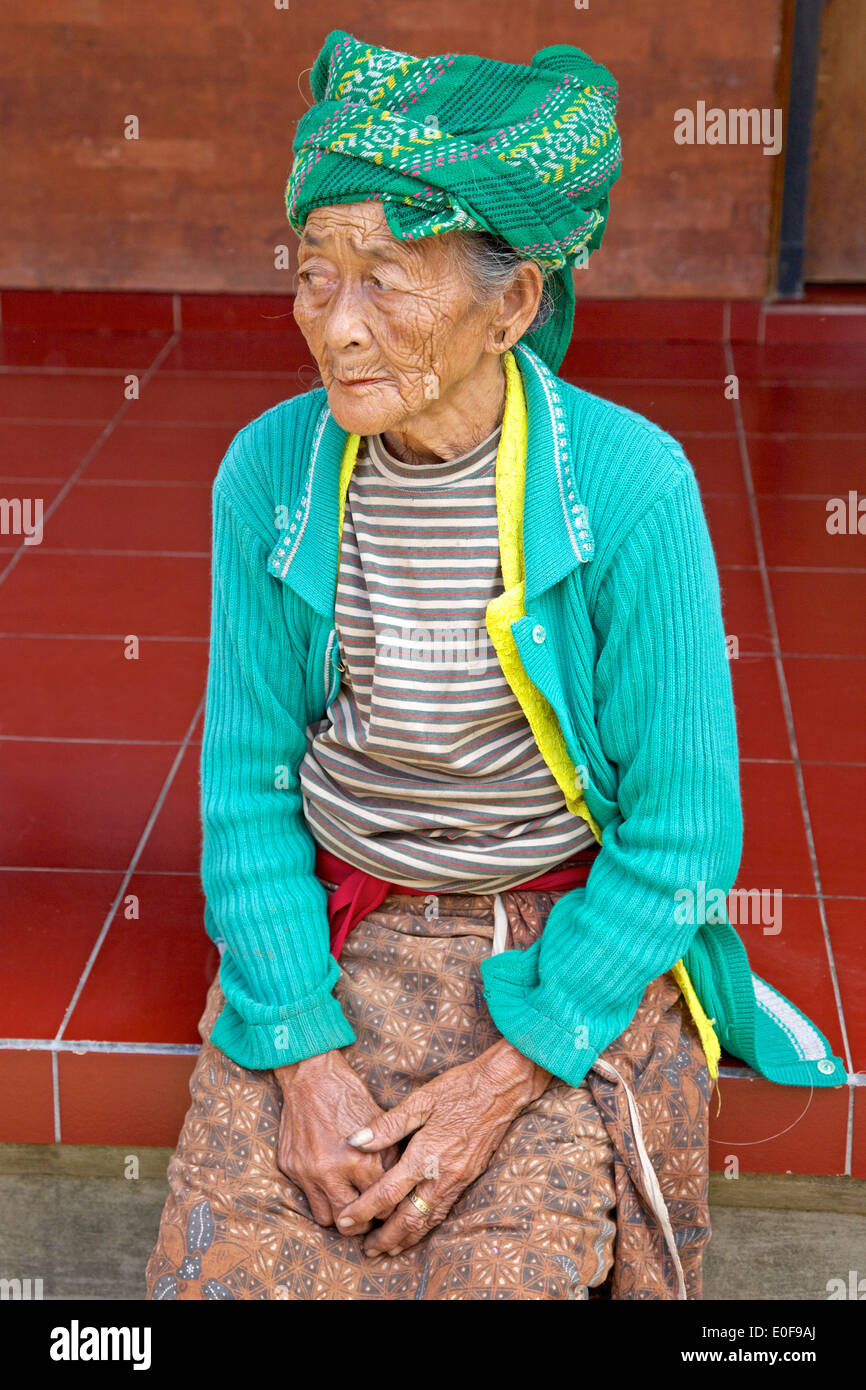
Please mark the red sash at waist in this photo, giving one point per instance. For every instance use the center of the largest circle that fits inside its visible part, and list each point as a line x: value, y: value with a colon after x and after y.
x: 358, y: 892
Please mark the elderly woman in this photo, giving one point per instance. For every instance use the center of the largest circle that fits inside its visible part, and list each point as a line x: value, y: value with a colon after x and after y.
x: 469, y: 729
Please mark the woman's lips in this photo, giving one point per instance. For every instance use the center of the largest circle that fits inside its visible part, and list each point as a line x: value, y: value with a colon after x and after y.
x: 360, y: 384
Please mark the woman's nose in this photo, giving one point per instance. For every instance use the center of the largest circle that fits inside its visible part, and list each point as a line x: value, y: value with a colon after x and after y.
x: 345, y: 324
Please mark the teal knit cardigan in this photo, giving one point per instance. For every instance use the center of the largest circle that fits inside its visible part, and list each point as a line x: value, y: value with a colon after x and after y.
x: 623, y: 636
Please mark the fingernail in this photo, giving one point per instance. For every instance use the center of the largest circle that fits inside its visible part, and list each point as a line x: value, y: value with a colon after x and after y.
x: 360, y: 1138
x: 344, y: 1222
x: 395, y: 1253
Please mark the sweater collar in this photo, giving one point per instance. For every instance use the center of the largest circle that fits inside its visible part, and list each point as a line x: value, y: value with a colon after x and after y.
x: 556, y: 532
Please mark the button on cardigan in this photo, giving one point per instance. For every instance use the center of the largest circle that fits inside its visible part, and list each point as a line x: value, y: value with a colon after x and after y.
x: 615, y: 631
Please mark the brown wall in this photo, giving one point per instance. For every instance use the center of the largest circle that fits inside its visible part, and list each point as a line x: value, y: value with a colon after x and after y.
x: 196, y: 202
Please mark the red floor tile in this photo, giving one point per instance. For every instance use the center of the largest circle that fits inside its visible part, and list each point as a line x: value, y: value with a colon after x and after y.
x: 254, y: 312
x: 800, y: 361
x: 161, y: 453
x: 816, y: 687
x: 93, y: 595
x: 761, y: 728
x: 86, y: 804
x: 26, y: 1098
x: 34, y: 495
x: 126, y: 351
x: 174, y: 844
x: 848, y: 943
x: 744, y: 320
x: 211, y: 399
x: 716, y: 462
x: 779, y: 1129
x: 656, y: 319
x: 731, y: 530
x: 44, y: 450
x: 94, y: 311
x: 775, y: 849
x: 819, y: 614
x: 101, y: 515
x: 803, y: 409
x: 675, y: 407
x: 239, y: 352
x: 58, y: 918
x: 794, y: 532
x: 827, y: 467
x: 794, y: 960
x: 858, y: 1167
x: 77, y: 805
x: 588, y: 361
x: 744, y: 611
x: 65, y: 396
x: 786, y: 325
x: 151, y: 976
x: 123, y: 1098
x: 837, y: 806
x: 84, y: 688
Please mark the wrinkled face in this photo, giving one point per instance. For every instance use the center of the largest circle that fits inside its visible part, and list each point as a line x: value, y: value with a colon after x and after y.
x: 393, y: 325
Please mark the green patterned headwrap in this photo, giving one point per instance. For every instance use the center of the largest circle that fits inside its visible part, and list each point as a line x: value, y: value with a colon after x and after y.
x: 461, y: 142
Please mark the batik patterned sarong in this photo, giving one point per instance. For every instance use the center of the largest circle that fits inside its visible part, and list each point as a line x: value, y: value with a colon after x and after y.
x: 569, y: 1205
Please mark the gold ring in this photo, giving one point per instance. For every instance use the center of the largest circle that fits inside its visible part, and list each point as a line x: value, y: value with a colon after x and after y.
x: 423, y: 1207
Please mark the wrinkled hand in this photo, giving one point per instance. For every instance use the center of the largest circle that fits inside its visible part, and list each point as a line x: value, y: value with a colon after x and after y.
x: 458, y: 1119
x: 323, y: 1101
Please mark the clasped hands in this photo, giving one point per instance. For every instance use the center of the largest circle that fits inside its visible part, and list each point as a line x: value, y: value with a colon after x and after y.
x: 341, y: 1148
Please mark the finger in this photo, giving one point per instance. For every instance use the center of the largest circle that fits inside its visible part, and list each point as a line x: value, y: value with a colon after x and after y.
x: 320, y: 1207
x: 381, y: 1198
x: 407, y: 1225
x: 394, y: 1124
x: 339, y: 1195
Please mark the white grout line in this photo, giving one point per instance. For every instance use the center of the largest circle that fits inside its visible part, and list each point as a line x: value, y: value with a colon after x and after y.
x: 151, y: 820
x: 174, y: 743
x: 168, y: 637
x: 193, y: 873
x: 161, y: 743
x: 143, y: 873
x: 97, y: 637
x: 89, y: 1045
x: 821, y: 310
x: 121, y: 554
x: 92, y: 1045
x: 792, y: 739
x: 55, y: 1093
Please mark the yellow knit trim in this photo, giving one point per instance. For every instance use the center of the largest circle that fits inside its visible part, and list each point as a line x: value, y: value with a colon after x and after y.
x: 347, y: 465
x: 709, y: 1040
x: 505, y: 609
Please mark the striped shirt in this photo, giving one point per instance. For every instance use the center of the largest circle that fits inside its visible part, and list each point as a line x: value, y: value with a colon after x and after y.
x: 424, y: 769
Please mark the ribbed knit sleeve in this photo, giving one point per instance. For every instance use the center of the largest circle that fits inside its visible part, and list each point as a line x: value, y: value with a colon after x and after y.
x: 263, y: 898
x: 666, y: 721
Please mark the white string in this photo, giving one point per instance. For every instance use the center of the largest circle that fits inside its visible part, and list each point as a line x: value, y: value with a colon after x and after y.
x: 657, y: 1201
x: 500, y: 926
x: 308, y: 104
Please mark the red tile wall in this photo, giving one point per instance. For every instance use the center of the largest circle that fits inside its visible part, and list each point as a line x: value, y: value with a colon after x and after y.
x: 196, y: 202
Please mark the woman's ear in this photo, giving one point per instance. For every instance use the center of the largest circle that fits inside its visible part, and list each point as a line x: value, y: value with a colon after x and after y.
x: 517, y: 307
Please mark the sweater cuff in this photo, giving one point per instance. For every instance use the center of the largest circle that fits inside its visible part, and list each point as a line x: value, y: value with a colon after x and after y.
x: 539, y: 1020
x: 289, y: 1035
